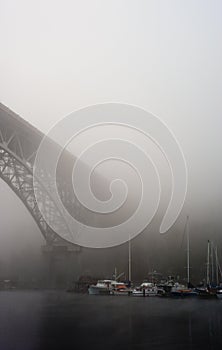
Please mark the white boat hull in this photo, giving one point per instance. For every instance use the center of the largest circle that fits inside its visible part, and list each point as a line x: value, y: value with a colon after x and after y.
x: 146, y: 293
x: 121, y: 293
x: 94, y: 290
x: 219, y: 295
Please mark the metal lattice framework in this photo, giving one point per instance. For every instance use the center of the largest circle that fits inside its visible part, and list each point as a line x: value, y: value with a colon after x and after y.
x: 19, y: 142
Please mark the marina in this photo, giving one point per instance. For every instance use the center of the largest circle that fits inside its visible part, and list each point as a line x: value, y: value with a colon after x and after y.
x: 168, y: 287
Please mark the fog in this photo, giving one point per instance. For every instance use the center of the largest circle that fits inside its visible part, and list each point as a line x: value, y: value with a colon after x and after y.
x: 163, y: 56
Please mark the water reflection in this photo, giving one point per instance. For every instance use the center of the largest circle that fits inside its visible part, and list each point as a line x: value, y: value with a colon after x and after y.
x: 57, y: 320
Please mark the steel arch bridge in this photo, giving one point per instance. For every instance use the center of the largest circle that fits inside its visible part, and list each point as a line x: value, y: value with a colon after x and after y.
x: 19, y: 142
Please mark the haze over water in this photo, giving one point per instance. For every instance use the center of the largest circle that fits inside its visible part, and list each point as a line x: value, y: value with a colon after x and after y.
x: 164, y: 57
x: 54, y: 320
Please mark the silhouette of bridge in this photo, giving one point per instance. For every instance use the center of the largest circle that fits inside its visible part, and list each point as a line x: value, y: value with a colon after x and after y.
x: 19, y: 142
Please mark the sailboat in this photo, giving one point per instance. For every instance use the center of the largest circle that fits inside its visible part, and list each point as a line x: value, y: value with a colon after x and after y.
x: 122, y: 288
x: 178, y: 289
x: 218, y: 273
x: 209, y: 291
x: 114, y: 286
x: 119, y: 288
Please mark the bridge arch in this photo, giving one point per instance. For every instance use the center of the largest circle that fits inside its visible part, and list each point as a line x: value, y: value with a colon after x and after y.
x: 19, y: 142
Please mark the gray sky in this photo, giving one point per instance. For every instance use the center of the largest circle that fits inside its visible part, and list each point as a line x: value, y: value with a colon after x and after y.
x: 165, y: 56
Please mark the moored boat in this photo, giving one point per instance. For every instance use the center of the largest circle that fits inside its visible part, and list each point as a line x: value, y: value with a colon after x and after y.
x: 210, y: 290
x: 120, y: 288
x: 179, y: 290
x: 219, y: 293
x: 146, y: 289
x: 206, y: 293
x: 102, y: 287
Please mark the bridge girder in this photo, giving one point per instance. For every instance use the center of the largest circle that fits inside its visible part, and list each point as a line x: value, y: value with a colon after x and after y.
x: 19, y: 142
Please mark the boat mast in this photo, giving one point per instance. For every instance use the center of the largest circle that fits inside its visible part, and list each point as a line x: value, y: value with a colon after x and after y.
x: 115, y: 274
x: 208, y: 262
x: 188, y: 252
x: 212, y: 262
x: 129, y: 262
x: 217, y: 266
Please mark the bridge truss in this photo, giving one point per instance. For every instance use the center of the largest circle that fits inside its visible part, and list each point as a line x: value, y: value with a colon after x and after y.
x: 19, y: 142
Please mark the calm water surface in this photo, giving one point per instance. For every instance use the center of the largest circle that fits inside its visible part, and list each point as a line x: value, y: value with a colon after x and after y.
x: 59, y: 320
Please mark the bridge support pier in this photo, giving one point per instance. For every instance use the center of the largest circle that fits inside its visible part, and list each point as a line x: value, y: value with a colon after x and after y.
x: 62, y: 262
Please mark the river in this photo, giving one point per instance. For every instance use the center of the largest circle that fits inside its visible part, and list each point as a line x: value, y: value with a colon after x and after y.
x: 31, y: 320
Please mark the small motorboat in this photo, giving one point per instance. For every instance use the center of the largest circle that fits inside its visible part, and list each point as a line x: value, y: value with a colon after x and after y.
x: 120, y: 288
x: 146, y: 289
x: 102, y: 287
x: 179, y: 290
x: 219, y: 293
x: 206, y: 293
